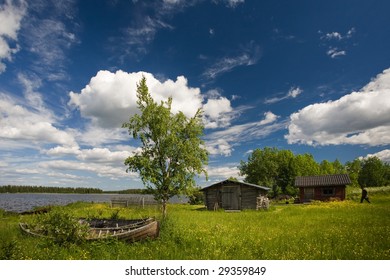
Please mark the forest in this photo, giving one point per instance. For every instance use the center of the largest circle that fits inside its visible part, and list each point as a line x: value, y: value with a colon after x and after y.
x: 43, y: 189
x: 80, y: 190
x: 278, y: 169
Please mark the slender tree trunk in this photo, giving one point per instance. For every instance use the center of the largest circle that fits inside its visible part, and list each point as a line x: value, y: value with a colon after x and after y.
x: 164, y: 208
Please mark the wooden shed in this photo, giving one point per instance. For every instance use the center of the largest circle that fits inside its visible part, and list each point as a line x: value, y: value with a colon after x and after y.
x: 233, y: 195
x: 322, y: 187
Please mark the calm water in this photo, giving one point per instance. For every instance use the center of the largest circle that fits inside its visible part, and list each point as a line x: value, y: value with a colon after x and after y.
x: 19, y: 202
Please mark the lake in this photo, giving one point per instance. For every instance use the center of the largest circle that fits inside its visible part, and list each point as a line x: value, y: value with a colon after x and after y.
x: 19, y: 202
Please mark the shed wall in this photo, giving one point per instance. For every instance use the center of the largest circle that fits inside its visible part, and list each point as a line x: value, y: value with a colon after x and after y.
x: 246, y: 196
x: 338, y: 193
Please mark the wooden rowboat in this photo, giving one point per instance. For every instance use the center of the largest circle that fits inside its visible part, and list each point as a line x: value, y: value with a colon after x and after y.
x: 131, y: 232
x: 100, y: 229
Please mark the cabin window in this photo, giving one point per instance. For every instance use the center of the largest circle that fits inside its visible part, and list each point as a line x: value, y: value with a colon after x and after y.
x: 328, y: 191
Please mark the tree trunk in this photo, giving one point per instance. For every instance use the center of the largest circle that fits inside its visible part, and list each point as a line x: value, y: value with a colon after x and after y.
x: 164, y: 208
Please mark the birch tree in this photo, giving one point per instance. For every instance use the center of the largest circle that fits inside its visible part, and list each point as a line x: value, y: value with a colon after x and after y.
x: 172, y: 151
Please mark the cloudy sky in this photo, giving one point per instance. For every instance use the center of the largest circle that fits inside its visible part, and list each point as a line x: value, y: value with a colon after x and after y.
x: 308, y: 76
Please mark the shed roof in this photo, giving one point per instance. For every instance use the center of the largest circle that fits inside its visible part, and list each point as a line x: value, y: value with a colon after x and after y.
x: 237, y: 182
x: 322, y: 180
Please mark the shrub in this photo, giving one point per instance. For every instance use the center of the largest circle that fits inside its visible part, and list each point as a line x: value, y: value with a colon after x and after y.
x: 61, y: 227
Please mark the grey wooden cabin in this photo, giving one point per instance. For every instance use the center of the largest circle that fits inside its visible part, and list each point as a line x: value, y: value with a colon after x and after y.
x: 233, y: 195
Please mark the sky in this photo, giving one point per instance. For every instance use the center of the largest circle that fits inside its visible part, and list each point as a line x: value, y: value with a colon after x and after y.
x: 307, y: 76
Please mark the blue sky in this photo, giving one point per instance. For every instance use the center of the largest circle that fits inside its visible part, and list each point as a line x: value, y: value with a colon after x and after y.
x: 308, y: 76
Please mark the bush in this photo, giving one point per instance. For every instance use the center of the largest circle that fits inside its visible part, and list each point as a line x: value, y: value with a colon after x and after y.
x: 196, y: 198
x: 61, y: 226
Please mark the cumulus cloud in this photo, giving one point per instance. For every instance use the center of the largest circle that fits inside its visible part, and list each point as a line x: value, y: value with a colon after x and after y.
x: 11, y: 15
x: 218, y: 111
x: 357, y: 118
x: 223, y: 172
x: 292, y: 93
x: 110, y: 98
x: 383, y: 155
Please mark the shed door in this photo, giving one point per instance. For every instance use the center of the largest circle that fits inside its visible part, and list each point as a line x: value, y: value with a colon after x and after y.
x: 309, y: 194
x: 231, y: 198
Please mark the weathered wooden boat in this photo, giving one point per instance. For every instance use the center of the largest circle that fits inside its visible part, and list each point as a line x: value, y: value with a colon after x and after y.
x: 127, y: 230
x: 130, y: 231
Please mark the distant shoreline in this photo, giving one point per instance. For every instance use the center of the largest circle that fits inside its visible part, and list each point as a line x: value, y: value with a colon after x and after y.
x: 78, y: 190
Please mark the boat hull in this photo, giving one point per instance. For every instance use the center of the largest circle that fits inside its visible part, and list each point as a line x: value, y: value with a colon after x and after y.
x: 129, y: 231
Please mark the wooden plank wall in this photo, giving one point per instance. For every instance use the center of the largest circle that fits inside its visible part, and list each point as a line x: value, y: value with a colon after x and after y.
x: 248, y: 196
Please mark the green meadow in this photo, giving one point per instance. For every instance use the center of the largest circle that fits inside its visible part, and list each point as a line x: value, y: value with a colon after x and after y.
x: 346, y: 230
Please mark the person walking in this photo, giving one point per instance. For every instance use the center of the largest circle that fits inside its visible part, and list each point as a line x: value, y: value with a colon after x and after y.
x: 364, y: 196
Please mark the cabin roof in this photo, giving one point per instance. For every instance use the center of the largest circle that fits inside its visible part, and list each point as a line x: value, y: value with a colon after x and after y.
x: 322, y: 180
x: 236, y: 182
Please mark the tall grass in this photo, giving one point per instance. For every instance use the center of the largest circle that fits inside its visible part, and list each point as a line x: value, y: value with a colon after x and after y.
x: 334, y: 230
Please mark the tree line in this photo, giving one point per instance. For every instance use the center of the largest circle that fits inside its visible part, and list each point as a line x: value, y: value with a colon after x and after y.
x: 80, y: 190
x: 278, y: 169
x: 43, y: 189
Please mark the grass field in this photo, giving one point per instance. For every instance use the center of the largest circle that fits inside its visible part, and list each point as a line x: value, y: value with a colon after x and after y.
x: 336, y: 230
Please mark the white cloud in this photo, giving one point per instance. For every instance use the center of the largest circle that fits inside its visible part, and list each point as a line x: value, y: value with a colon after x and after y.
x: 103, y: 161
x: 333, y: 35
x: 33, y: 98
x: 248, y: 56
x: 222, y: 142
x: 338, y: 41
x: 219, y: 173
x: 102, y: 170
x: 292, y: 93
x: 219, y: 147
x: 337, y: 35
x: 218, y: 111
x: 110, y: 98
x: 11, y: 15
x: 63, y: 151
x: 115, y: 155
x: 335, y: 52
x: 18, y: 123
x: 269, y: 117
x: 383, y: 155
x: 49, y: 30
x: 103, y: 155
x: 358, y: 118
